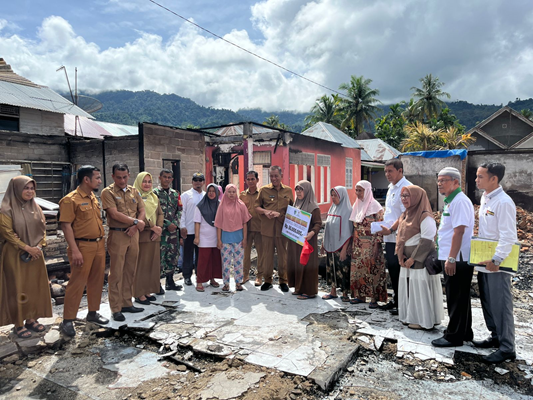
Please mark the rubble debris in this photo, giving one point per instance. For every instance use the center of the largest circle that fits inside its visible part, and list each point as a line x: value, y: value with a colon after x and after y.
x: 231, y: 384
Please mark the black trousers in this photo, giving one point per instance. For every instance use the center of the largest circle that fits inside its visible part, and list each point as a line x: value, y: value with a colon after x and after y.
x: 393, y: 265
x: 190, y: 256
x: 459, y: 328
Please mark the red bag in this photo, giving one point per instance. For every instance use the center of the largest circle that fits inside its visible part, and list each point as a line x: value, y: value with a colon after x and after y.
x: 307, y: 249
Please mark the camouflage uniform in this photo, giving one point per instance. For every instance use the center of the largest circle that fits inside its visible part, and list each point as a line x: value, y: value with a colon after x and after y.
x: 170, y: 243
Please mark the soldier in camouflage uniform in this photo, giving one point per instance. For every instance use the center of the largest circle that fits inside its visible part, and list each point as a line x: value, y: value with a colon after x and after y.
x: 170, y: 242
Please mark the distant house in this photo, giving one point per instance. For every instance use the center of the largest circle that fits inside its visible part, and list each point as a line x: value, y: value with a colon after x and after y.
x: 506, y: 129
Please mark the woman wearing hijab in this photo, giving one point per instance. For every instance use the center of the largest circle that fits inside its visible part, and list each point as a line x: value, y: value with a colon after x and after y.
x: 232, y: 230
x: 24, y: 286
x: 209, y: 261
x: 147, y: 276
x: 337, y: 239
x: 368, y: 277
x: 419, y: 293
x: 304, y: 278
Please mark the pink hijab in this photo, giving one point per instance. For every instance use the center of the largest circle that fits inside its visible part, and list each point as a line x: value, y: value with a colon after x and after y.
x: 368, y: 206
x: 231, y: 214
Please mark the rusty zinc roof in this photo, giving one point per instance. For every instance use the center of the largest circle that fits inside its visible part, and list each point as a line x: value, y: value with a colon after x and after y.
x: 378, y: 150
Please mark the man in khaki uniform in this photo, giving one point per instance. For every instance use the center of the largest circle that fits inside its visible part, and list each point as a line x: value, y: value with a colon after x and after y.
x: 272, y: 202
x: 248, y: 197
x: 81, y: 221
x: 125, y: 218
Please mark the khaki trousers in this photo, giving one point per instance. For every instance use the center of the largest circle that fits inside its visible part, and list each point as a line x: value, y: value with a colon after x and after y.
x: 90, y: 275
x: 253, y: 238
x: 267, y: 258
x: 123, y: 253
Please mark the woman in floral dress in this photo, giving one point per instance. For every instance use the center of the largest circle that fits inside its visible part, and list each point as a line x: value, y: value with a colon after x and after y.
x: 368, y: 277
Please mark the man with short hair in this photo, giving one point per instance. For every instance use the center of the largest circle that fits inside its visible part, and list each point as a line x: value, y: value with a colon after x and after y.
x: 170, y: 202
x: 190, y: 199
x: 80, y: 216
x: 125, y: 218
x: 453, y: 238
x: 271, y: 204
x: 497, y: 221
x: 393, y: 209
x: 248, y: 197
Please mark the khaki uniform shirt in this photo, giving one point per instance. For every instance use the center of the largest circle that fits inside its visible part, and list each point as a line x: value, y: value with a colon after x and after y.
x: 254, y: 225
x: 127, y: 202
x: 82, y: 210
x: 274, y: 200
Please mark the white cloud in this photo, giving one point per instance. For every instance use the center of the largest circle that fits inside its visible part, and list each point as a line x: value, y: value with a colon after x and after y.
x: 481, y: 49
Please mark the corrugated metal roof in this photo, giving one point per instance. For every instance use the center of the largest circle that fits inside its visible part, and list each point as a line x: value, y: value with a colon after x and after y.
x: 378, y: 150
x: 38, y: 98
x: 237, y: 130
x: 365, y: 156
x: 325, y: 131
x: 98, y: 129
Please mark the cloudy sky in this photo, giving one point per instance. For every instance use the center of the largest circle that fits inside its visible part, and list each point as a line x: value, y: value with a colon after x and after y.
x: 481, y: 49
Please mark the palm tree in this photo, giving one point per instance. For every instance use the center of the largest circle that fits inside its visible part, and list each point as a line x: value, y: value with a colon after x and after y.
x: 411, y: 112
x: 428, y: 98
x: 420, y: 137
x: 325, y: 110
x: 527, y: 113
x: 452, y: 138
x: 272, y: 121
x: 359, y: 105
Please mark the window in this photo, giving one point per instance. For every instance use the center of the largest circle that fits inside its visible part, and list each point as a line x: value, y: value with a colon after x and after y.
x: 349, y: 173
x: 9, y: 118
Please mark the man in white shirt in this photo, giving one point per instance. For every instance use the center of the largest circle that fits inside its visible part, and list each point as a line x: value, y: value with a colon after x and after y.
x: 393, y: 209
x: 497, y: 221
x: 190, y: 199
x: 454, y: 235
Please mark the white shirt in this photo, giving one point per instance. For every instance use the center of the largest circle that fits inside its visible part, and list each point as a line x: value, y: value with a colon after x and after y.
x: 208, y: 233
x: 497, y: 221
x: 460, y: 212
x: 189, y: 199
x: 393, y: 206
x: 428, y: 230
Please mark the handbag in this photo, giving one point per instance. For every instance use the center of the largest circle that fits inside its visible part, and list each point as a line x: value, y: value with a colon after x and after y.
x: 432, y: 263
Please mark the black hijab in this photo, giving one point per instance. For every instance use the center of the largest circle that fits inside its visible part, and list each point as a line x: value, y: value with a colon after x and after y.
x: 208, y: 208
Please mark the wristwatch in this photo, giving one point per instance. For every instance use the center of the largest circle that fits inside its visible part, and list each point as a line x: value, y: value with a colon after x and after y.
x: 496, y: 262
x: 135, y: 221
x: 451, y: 260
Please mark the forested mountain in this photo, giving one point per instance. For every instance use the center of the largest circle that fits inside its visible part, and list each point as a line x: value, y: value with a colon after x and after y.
x: 129, y: 108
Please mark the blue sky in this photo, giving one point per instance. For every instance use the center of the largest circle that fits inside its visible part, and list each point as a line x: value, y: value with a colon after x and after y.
x: 481, y: 49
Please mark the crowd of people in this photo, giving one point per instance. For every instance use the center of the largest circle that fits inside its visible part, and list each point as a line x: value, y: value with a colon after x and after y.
x: 218, y: 229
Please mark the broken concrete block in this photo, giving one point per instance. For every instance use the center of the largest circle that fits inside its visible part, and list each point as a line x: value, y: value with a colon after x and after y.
x: 8, y: 349
x: 57, y: 290
x: 211, y: 348
x: 11, y: 359
x: 32, y: 345
x: 230, y: 384
x: 52, y: 338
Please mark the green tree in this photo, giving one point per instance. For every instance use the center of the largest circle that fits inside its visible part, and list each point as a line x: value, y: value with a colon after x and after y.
x: 390, y: 127
x: 420, y: 137
x: 359, y: 105
x: 428, y: 98
x: 272, y: 121
x: 446, y: 120
x: 326, y: 109
x: 527, y: 113
x: 452, y: 138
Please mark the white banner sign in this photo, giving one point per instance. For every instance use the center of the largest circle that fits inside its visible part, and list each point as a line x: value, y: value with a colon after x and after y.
x: 296, y: 225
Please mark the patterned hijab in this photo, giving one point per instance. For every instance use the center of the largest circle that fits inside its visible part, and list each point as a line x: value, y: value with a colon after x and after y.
x: 151, y: 201
x: 308, y: 203
x: 339, y: 228
x: 208, y: 208
x: 232, y: 215
x: 27, y: 217
x: 367, y: 206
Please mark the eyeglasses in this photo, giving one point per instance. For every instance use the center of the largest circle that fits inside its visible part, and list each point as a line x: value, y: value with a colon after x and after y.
x: 298, y: 189
x: 441, y: 181
x: 405, y: 196
x: 197, y: 180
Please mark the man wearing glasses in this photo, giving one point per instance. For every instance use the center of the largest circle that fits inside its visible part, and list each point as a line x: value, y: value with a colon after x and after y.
x: 455, y: 231
x: 189, y: 200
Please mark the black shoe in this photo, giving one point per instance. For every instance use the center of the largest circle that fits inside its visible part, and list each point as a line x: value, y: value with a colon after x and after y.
x: 487, y: 343
x: 145, y: 302
x: 67, y: 327
x: 132, y: 309
x: 118, y: 316
x: 161, y: 291
x: 266, y: 286
x: 170, y: 284
x: 188, y: 281
x: 284, y: 287
x: 499, y: 356
x: 394, y: 311
x: 151, y: 298
x: 97, y: 319
x: 442, y: 342
x: 389, y: 306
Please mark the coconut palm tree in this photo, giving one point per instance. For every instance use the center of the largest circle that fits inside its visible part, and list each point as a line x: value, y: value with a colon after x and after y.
x: 272, y: 121
x: 420, y: 137
x: 452, y: 138
x: 428, y: 98
x: 326, y: 109
x: 359, y: 106
x: 527, y: 113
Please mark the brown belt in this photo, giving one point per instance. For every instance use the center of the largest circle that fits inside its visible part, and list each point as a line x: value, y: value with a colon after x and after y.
x: 118, y: 229
x: 89, y: 240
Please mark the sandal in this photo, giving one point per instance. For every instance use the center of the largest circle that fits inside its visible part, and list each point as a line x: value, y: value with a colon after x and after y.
x: 295, y: 294
x: 22, y: 334
x: 305, y: 297
x: 329, y: 297
x: 225, y: 288
x: 373, y: 305
x: 356, y: 301
x: 214, y: 284
x: 200, y: 289
x: 345, y: 299
x: 35, y: 326
x: 238, y: 287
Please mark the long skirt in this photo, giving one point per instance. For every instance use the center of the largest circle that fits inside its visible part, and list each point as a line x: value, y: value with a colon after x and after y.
x: 420, y: 299
x: 337, y: 271
x: 148, y: 270
x: 209, y: 264
x: 304, y: 278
